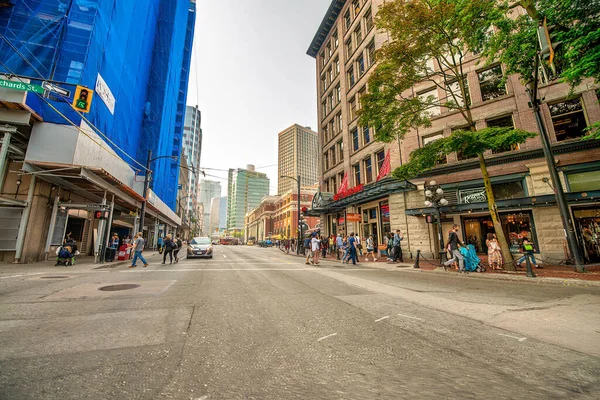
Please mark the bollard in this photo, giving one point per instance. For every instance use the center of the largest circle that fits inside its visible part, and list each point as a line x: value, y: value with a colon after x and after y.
x: 529, y: 270
x: 417, y: 259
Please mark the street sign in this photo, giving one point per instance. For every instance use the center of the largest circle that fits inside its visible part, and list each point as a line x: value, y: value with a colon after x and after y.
x: 26, y: 87
x: 55, y: 89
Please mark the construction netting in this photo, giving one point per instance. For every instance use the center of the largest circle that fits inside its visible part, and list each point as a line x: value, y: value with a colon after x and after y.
x: 139, y: 51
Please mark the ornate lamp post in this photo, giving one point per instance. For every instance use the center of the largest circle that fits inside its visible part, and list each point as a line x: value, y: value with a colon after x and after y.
x: 434, y: 196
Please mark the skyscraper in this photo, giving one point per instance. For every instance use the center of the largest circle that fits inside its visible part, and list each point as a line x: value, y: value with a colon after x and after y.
x: 298, y: 155
x: 192, y: 148
x: 208, y: 191
x: 245, y: 190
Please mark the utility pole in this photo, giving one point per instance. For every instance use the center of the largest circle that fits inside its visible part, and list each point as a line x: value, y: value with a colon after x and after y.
x: 145, y: 193
x: 561, y: 200
x: 299, y: 218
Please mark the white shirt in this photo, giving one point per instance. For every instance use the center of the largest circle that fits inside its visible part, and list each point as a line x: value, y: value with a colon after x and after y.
x: 315, y: 244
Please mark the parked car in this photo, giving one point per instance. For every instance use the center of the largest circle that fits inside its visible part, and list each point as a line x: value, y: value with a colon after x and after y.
x: 200, y: 247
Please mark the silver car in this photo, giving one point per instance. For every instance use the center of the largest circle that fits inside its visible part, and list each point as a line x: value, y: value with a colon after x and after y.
x: 200, y: 247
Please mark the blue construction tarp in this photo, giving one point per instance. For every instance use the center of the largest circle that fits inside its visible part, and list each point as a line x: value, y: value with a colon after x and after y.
x: 141, y: 49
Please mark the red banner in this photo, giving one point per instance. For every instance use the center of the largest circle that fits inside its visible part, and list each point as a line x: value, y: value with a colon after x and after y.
x: 349, y: 192
x: 343, y: 184
x: 385, y: 167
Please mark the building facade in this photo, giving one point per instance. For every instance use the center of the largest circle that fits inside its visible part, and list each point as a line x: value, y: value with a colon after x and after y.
x: 246, y: 188
x: 77, y: 162
x: 258, y: 222
x: 286, y: 213
x: 298, y: 150
x: 208, y: 190
x: 192, y: 148
x: 344, y: 49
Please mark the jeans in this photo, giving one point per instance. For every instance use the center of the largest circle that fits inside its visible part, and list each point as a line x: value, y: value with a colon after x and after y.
x: 136, y: 255
x: 170, y: 253
x: 457, y: 256
x: 352, y: 255
x: 531, y: 256
x: 397, y: 254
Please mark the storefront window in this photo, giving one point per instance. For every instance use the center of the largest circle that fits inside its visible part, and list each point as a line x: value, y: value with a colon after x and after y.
x: 587, y: 222
x: 516, y: 227
x: 568, y: 119
x: 581, y: 181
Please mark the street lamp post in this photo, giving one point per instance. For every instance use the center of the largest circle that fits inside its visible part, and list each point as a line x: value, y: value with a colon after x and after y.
x: 434, y: 195
x: 299, y: 218
x: 146, y: 184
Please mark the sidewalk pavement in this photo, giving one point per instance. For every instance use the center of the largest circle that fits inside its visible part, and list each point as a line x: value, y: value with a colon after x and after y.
x: 558, y: 274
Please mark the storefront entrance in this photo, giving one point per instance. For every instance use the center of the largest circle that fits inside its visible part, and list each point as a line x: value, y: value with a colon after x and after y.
x: 516, y: 227
x: 587, y: 223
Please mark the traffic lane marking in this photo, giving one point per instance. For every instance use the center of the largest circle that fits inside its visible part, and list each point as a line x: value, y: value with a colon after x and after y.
x: 326, y: 337
x: 520, y: 339
x: 382, y: 318
x: 411, y: 317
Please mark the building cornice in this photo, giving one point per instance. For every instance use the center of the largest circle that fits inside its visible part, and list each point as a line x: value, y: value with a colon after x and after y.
x: 334, y: 10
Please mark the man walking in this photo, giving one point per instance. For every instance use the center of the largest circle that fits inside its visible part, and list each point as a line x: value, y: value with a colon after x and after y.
x: 396, y: 247
x: 179, y: 244
x: 352, y: 248
x: 454, y: 243
x: 138, y: 247
x: 339, y: 243
x: 307, y: 250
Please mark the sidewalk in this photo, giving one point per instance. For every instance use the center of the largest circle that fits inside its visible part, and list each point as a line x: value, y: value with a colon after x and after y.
x: 549, y: 274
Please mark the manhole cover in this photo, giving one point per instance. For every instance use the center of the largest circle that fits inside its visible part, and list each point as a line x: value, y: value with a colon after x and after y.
x: 114, y: 288
x: 54, y: 277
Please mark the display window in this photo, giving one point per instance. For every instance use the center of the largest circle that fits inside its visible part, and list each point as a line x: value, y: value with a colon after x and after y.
x: 515, y: 225
x: 587, y: 222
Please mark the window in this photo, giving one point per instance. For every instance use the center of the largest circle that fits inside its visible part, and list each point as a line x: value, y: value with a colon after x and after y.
x: 368, y: 170
x: 334, y: 40
x: 349, y: 48
x: 361, y: 65
x: 324, y: 105
x: 336, y: 66
x: 326, y: 186
x: 490, y: 82
x: 356, y: 7
x: 339, y: 122
x: 355, y: 141
x: 369, y: 20
x: 352, y: 107
x: 333, y: 184
x: 380, y: 157
x: 340, y: 146
x: 326, y: 133
x: 371, y: 52
x: 454, y: 96
x: 331, y: 75
x: 324, y: 82
x: 459, y: 154
x: 582, y: 181
x: 333, y: 158
x: 356, y: 172
x: 331, y: 130
x: 431, y: 98
x: 502, y: 122
x: 338, y: 93
x: 366, y: 135
x: 330, y: 101
x: 347, y: 19
x: 323, y: 61
x: 358, y: 35
x: 328, y: 51
x: 568, y: 119
x: 429, y: 139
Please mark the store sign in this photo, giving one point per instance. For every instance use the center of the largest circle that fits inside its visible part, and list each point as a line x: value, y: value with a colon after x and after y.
x: 341, y: 221
x: 469, y: 196
x: 353, y: 217
x: 349, y: 192
x: 105, y: 94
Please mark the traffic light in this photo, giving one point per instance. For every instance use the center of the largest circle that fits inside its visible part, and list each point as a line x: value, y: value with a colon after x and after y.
x: 548, y: 43
x: 100, y: 215
x: 304, y: 209
x: 82, y: 101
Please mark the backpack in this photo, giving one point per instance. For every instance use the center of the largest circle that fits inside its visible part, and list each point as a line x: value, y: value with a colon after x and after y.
x: 307, y: 243
x: 179, y: 244
x: 64, y: 253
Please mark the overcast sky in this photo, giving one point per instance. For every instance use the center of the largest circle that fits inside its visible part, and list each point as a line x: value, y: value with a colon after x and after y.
x: 251, y: 78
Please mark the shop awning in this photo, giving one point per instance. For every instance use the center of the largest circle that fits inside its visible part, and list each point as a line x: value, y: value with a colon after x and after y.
x: 371, y: 192
x: 534, y: 201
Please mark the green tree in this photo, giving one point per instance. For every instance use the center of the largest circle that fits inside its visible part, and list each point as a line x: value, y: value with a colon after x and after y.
x: 575, y: 25
x: 442, y: 31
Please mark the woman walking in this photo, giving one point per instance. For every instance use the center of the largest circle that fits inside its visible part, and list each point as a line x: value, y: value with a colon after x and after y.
x: 370, y: 248
x: 168, y: 246
x: 494, y: 253
x: 316, y: 247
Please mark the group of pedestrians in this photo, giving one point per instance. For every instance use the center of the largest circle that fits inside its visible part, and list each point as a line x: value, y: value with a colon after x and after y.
x: 171, y: 248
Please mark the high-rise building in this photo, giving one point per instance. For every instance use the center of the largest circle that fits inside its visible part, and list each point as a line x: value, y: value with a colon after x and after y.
x: 344, y: 48
x: 298, y: 155
x: 192, y: 148
x: 208, y: 190
x: 129, y: 68
x: 218, y: 215
x: 246, y: 188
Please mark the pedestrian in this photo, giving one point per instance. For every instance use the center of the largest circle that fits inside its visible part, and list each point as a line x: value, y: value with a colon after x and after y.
x: 397, y: 246
x: 370, y: 248
x: 138, y: 247
x: 494, y: 253
x: 168, y: 246
x: 307, y: 250
x: 454, y: 243
x: 160, y: 245
x: 179, y: 245
x: 387, y: 240
x: 339, y: 244
x: 359, y: 246
x: 352, y: 245
x: 324, y: 246
x: 528, y: 250
x: 315, y: 248
x: 114, y: 247
x: 345, y: 249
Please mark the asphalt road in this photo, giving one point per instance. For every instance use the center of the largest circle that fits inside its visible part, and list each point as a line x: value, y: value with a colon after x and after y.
x: 254, y: 323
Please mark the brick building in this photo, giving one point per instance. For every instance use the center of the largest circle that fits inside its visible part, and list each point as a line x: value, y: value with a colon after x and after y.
x: 344, y: 48
x: 286, y: 213
x: 258, y: 222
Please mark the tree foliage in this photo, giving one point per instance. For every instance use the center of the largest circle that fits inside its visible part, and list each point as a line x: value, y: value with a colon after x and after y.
x: 470, y: 143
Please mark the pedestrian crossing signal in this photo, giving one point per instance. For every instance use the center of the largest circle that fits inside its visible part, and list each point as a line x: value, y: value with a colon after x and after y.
x: 82, y: 101
x: 100, y: 215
